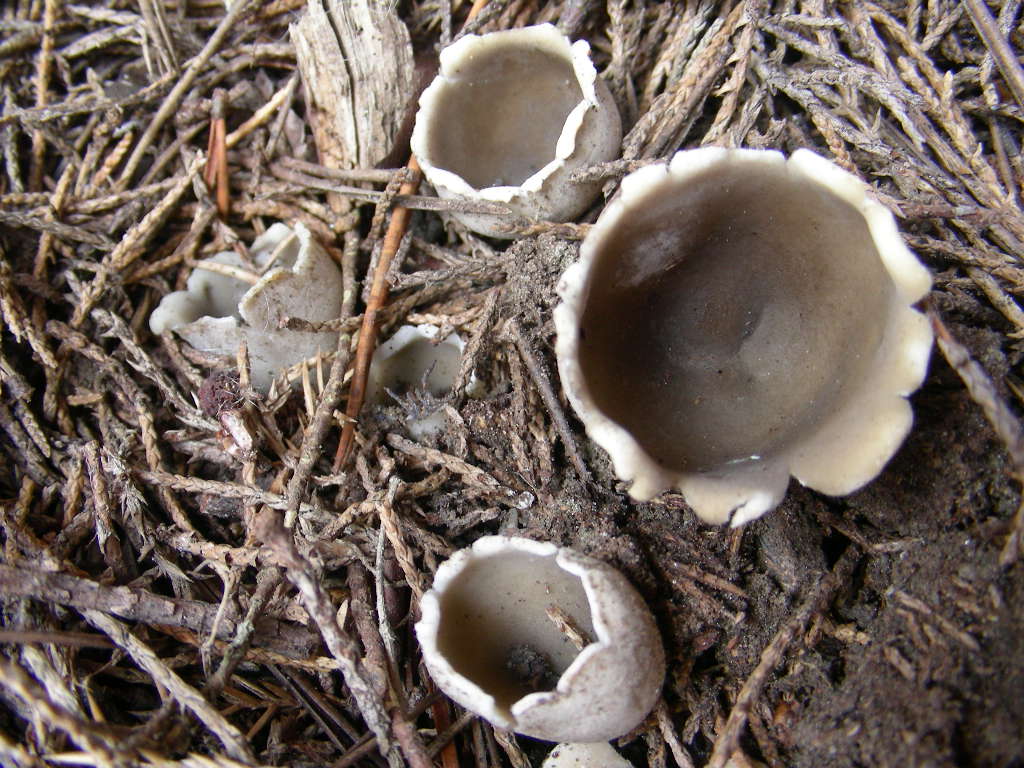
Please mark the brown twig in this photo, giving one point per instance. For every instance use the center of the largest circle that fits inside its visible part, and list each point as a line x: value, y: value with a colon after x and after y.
x: 368, y: 329
x: 543, y: 384
x: 362, y: 615
x: 443, y: 722
x: 378, y: 296
x: 308, y: 700
x: 70, y: 639
x: 363, y: 748
x: 216, y: 172
x: 444, y: 744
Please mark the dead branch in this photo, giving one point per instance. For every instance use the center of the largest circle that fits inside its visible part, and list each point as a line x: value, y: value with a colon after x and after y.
x: 137, y: 604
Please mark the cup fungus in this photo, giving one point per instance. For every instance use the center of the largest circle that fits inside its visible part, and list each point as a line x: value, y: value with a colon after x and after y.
x: 217, y: 311
x: 594, y: 755
x: 491, y: 642
x: 508, y: 119
x: 411, y: 359
x: 736, y: 317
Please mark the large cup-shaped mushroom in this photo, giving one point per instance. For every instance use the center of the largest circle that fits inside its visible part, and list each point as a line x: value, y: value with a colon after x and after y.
x: 735, y: 318
x: 491, y: 643
x: 508, y: 119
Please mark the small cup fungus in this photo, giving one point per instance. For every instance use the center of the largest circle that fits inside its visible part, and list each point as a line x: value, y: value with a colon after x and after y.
x: 410, y: 359
x: 217, y: 311
x: 736, y: 317
x: 509, y: 118
x: 594, y: 755
x: 491, y: 641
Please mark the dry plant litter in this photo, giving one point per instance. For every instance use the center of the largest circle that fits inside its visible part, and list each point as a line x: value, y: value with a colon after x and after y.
x: 197, y: 575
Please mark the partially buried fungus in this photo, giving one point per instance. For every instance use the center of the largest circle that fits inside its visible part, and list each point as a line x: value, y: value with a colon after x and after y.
x: 509, y: 118
x: 218, y: 310
x: 735, y: 318
x: 413, y: 360
x: 593, y: 755
x: 495, y: 633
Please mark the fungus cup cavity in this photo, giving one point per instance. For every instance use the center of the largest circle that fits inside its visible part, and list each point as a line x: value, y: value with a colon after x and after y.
x: 490, y: 645
x: 508, y: 119
x: 736, y: 318
x: 216, y: 311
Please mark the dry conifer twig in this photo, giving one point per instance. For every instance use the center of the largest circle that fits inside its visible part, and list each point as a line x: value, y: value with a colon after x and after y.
x: 44, y: 65
x: 543, y: 384
x: 998, y: 46
x: 137, y: 604
x: 131, y: 246
x: 268, y: 528
x: 362, y: 616
x: 20, y: 684
x: 378, y: 296
x: 389, y: 522
x: 235, y: 12
x: 474, y: 476
x: 266, y: 581
x: 312, y: 440
x: 187, y: 696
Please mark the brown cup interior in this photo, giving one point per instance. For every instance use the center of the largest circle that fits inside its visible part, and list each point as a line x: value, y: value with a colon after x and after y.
x: 730, y: 313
